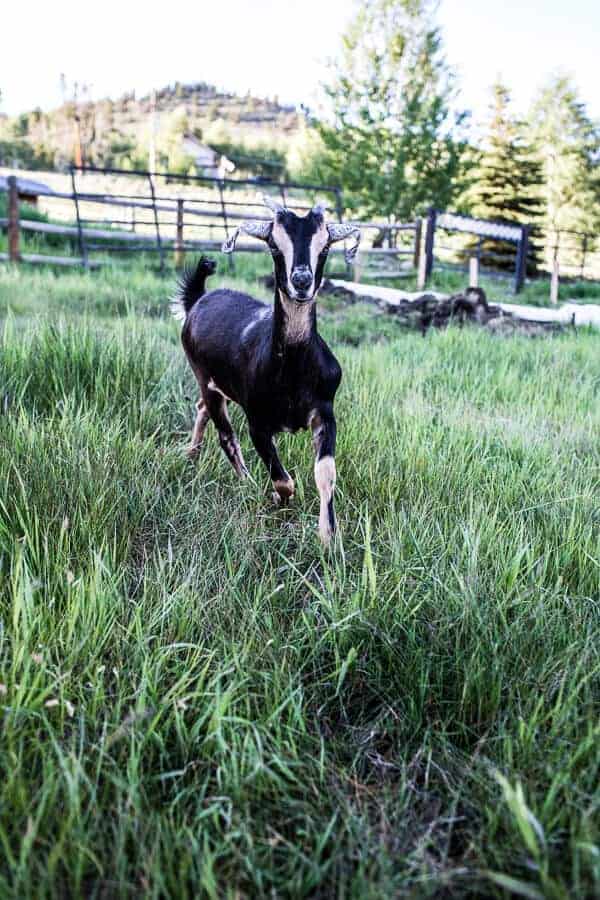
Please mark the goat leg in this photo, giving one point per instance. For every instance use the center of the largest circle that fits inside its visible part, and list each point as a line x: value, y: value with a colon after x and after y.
x: 202, y: 418
x: 265, y: 447
x: 323, y: 428
x: 217, y: 409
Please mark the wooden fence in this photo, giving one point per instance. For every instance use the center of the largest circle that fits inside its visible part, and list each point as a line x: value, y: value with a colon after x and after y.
x: 168, y: 225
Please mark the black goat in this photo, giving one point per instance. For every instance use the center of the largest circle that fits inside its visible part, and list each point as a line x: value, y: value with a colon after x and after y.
x: 269, y: 359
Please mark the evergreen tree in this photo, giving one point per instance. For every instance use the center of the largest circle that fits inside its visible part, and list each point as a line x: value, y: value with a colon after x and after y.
x: 569, y: 146
x: 389, y: 141
x: 508, y: 179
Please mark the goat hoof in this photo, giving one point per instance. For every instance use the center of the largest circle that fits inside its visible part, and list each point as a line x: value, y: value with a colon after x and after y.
x: 284, y: 491
x: 192, y: 453
x: 276, y: 498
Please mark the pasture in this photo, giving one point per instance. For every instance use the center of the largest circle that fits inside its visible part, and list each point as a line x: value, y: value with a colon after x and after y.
x: 198, y: 701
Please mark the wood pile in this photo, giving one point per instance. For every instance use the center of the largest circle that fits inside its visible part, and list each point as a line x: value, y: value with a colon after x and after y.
x: 431, y: 310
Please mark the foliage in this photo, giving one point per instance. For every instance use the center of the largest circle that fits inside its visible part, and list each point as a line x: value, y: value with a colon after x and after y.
x: 260, y: 159
x: 507, y: 180
x: 194, y: 696
x: 392, y: 142
x: 17, y: 151
x: 169, y: 144
x: 569, y: 145
x: 117, y: 132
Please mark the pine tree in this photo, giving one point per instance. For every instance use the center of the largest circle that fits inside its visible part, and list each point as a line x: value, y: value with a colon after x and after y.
x: 508, y: 181
x: 389, y: 142
x: 509, y: 177
x: 569, y: 146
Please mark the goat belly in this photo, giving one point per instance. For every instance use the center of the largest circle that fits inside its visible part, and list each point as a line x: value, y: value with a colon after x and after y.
x: 280, y: 411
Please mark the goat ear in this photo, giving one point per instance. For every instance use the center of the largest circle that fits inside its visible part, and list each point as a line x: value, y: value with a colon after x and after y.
x: 339, y: 232
x: 260, y: 230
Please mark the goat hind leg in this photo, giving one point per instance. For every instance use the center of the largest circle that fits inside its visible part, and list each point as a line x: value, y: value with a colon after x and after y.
x: 216, y: 405
x: 198, y: 430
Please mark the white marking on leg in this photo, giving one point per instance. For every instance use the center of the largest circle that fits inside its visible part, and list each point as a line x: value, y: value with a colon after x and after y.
x: 325, y: 479
x: 213, y: 387
x: 199, y: 428
x: 234, y: 452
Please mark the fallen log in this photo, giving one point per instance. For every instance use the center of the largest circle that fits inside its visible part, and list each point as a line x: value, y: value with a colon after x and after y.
x: 424, y: 310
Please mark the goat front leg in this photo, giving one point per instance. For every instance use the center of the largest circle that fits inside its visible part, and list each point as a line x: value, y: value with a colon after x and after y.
x: 323, y: 428
x: 265, y: 447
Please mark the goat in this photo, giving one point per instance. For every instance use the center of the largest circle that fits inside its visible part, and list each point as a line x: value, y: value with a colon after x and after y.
x: 269, y: 359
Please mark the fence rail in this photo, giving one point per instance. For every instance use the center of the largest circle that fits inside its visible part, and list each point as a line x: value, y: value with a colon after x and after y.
x: 462, y: 242
x: 153, y: 218
x: 109, y: 213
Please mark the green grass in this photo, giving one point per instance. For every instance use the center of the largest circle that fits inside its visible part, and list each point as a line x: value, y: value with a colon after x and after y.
x: 197, y: 701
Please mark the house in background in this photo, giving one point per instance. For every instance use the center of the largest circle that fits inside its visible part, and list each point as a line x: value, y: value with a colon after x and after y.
x: 209, y: 162
x: 28, y: 191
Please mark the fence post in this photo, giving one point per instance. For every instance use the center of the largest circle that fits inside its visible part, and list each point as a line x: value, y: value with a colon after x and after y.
x: 522, y: 254
x: 417, y: 245
x: 13, y: 220
x: 429, y: 242
x: 230, y: 260
x: 339, y: 205
x: 554, y: 280
x: 473, y: 271
x: 357, y: 268
x: 179, y: 252
x: 80, y: 235
x: 159, y: 245
x: 583, y: 255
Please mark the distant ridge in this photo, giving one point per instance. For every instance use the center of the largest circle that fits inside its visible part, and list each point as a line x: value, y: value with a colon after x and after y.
x: 117, y: 132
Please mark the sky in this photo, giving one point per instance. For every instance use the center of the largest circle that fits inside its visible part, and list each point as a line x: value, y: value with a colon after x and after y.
x: 278, y: 47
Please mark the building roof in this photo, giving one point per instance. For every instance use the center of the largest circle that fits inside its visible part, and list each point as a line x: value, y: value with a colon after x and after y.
x: 26, y: 186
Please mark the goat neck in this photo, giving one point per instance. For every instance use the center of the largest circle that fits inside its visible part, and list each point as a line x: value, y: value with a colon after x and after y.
x: 294, y: 324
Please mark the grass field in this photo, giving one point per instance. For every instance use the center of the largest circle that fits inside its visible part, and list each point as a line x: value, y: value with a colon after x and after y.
x: 197, y: 701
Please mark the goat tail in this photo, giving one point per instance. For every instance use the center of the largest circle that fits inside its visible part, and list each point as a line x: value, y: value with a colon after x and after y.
x: 191, y: 287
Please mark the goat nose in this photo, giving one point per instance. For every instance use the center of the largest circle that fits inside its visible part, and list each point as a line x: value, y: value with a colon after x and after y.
x: 302, y: 279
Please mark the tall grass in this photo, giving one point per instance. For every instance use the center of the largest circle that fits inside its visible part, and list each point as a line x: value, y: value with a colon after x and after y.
x: 197, y: 701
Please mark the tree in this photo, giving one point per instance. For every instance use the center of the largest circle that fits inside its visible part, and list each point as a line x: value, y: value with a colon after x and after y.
x: 389, y: 140
x: 507, y: 180
x: 569, y: 146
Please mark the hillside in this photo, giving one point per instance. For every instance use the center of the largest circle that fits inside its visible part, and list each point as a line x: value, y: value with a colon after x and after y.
x: 119, y: 132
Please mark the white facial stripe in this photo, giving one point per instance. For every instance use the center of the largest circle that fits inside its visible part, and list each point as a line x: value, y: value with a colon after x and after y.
x: 317, y: 245
x: 284, y: 243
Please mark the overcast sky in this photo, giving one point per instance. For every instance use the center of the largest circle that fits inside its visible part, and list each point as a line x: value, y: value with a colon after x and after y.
x: 275, y: 47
